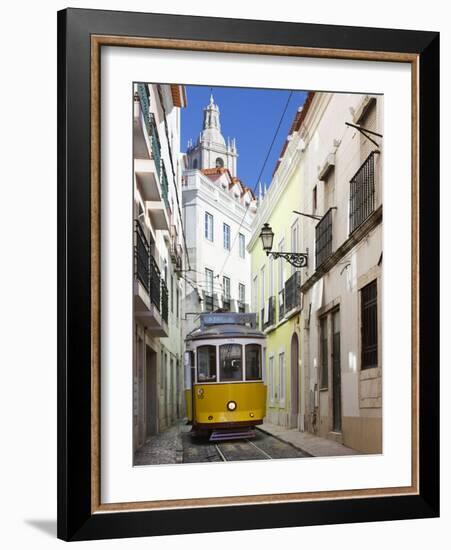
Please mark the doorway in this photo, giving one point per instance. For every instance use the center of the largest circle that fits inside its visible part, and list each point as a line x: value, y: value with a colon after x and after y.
x: 336, y: 372
x: 151, y: 392
x: 294, y: 381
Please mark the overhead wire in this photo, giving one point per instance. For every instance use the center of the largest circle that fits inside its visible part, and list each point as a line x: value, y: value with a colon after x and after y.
x: 257, y: 181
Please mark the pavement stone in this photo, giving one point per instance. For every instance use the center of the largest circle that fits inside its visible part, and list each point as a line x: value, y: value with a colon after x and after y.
x: 309, y: 443
x: 163, y: 448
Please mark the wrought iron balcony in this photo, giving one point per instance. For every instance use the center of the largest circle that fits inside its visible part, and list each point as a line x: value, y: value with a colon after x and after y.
x: 164, y: 186
x: 323, y: 238
x: 271, y: 317
x: 164, y: 301
x: 281, y: 303
x: 155, y: 277
x: 141, y: 255
x: 293, y: 291
x: 362, y: 193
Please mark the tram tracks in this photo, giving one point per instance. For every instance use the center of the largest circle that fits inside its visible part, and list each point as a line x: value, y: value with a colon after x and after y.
x: 232, y: 451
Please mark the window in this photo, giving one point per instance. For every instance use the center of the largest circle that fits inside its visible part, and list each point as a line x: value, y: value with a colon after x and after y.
x: 208, y: 226
x: 262, y: 297
x: 253, y: 362
x: 219, y: 163
x: 195, y: 164
x: 230, y: 362
x: 242, y: 245
x: 172, y: 294
x: 208, y: 289
x: 281, y: 266
x: 226, y: 236
x: 315, y: 198
x: 368, y: 296
x: 241, y: 298
x: 324, y: 381
x: 206, y: 364
x: 294, y: 241
x: 254, y: 293
x: 271, y: 276
x: 282, y: 378
x: 272, y: 388
x: 226, y: 293
x: 178, y: 303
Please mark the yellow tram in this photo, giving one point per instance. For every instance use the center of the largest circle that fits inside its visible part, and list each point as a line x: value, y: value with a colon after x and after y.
x: 224, y: 387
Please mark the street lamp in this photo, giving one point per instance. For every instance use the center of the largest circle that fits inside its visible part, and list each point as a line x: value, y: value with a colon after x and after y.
x: 267, y: 237
x: 298, y: 259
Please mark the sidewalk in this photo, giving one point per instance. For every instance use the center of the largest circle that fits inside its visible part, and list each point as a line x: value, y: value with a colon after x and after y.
x: 311, y: 444
x: 163, y: 448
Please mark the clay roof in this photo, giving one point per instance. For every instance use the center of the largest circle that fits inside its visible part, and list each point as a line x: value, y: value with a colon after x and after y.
x: 295, y: 125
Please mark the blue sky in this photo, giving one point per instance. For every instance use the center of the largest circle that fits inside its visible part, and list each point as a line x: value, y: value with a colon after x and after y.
x: 251, y: 116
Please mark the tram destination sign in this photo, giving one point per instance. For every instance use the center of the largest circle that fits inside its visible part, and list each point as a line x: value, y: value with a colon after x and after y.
x: 228, y: 319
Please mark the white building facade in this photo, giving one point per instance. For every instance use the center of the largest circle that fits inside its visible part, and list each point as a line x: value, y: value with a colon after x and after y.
x: 342, y: 286
x: 218, y: 210
x: 158, y: 259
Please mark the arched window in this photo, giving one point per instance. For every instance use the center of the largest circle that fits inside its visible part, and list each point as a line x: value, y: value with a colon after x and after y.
x: 219, y: 163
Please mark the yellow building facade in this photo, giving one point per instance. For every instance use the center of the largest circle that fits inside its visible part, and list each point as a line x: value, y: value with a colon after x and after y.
x: 275, y: 291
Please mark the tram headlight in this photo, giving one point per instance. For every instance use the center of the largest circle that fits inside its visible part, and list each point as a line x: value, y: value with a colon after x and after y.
x: 231, y: 405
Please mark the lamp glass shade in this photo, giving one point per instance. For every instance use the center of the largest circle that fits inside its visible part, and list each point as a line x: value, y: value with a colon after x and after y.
x: 267, y: 237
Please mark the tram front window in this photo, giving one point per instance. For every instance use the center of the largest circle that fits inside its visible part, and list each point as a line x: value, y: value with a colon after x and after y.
x: 253, y: 362
x: 230, y: 362
x: 206, y: 364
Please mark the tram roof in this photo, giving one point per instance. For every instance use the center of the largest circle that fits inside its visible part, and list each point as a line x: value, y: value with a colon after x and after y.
x: 230, y: 325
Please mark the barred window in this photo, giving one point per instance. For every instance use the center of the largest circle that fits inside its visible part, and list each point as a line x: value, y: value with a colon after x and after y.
x: 368, y: 296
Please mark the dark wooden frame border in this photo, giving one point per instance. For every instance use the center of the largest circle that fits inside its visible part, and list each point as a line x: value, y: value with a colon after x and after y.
x: 81, y: 33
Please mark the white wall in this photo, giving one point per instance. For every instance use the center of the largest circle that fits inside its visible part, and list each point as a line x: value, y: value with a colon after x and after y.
x: 28, y: 468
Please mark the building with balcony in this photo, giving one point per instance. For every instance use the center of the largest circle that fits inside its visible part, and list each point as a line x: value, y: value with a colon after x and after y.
x: 276, y: 294
x: 218, y: 210
x: 323, y: 356
x: 158, y: 259
x: 342, y: 286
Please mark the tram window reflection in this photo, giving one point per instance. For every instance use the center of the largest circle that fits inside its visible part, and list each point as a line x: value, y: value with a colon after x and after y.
x: 230, y: 362
x: 253, y: 362
x: 206, y: 364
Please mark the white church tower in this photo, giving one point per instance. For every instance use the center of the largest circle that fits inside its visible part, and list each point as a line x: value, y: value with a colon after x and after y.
x: 218, y: 209
x: 211, y: 150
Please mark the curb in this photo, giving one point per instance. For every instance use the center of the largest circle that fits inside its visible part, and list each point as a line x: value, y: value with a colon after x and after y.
x: 309, y: 455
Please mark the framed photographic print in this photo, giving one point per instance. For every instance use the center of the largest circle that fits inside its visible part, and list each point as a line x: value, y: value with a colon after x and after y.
x: 248, y: 274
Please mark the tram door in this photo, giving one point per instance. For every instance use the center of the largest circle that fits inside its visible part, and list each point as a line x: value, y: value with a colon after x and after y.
x: 336, y: 371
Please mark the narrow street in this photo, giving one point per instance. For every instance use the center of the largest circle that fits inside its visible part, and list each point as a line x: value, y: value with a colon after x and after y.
x: 261, y: 447
x: 176, y: 445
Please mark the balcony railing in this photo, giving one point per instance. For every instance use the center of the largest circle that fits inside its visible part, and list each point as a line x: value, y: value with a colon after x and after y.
x: 271, y: 317
x: 323, y: 238
x: 226, y: 303
x: 362, y: 193
x: 281, y: 303
x: 146, y: 269
x: 142, y: 253
x: 293, y: 291
x: 152, y: 132
x: 164, y: 186
x: 164, y: 301
x: 155, y: 277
